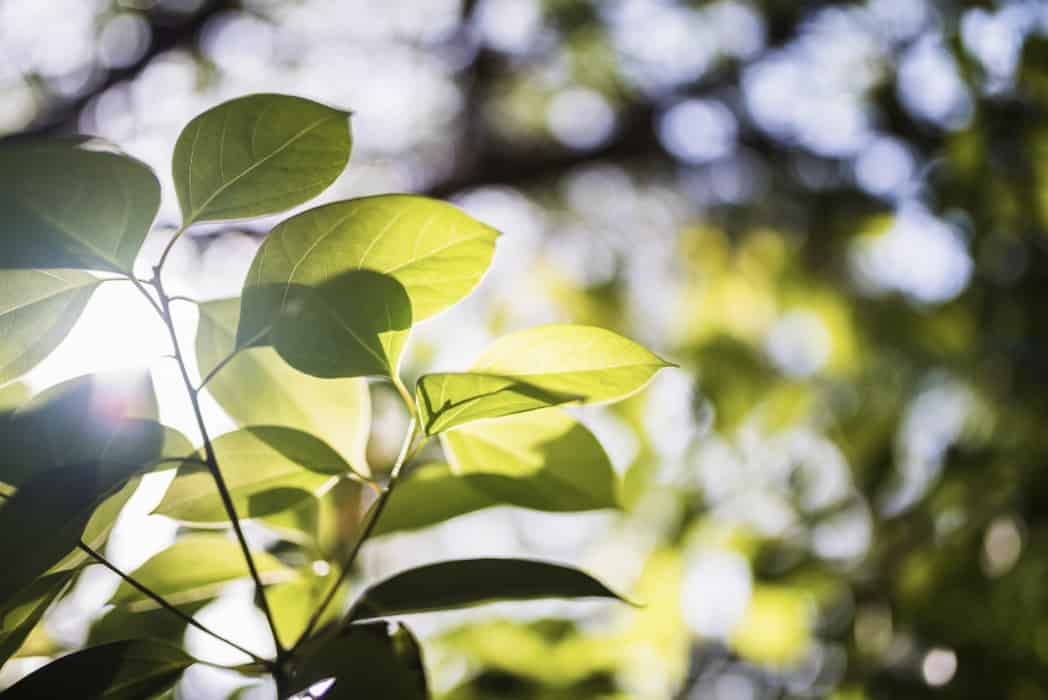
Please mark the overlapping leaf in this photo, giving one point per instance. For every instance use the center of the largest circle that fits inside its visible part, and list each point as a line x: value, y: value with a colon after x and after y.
x: 256, y: 155
x: 447, y: 400
x: 196, y: 568
x: 37, y: 309
x: 267, y: 469
x: 536, y: 368
x: 258, y: 388
x: 124, y: 670
x: 73, y: 204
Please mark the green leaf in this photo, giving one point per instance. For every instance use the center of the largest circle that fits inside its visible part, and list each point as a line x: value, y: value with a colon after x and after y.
x: 435, y: 252
x: 543, y: 460
x: 21, y: 615
x: 591, y: 363
x: 72, y: 204
x: 258, y: 155
x: 447, y: 400
x: 126, y: 670
x: 257, y: 387
x: 293, y: 604
x: 196, y: 568
x: 158, y: 623
x: 366, y: 661
x: 38, y: 309
x: 89, y: 418
x: 466, y: 582
x: 267, y: 469
x: 353, y: 325
x: 557, y: 462
x: 55, y: 507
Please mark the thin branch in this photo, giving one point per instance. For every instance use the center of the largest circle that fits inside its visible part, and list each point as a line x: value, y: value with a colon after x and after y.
x: 156, y: 598
x: 212, y: 460
x: 180, y: 297
x: 167, y: 249
x: 406, y: 452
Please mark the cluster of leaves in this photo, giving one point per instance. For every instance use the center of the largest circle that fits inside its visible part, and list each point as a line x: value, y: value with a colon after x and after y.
x: 329, y: 301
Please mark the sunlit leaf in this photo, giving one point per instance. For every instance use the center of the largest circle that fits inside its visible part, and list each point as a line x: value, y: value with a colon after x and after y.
x: 464, y: 582
x: 435, y: 251
x: 447, y: 400
x: 195, y: 568
x: 71, y: 204
x: 256, y: 155
x: 267, y: 469
x: 125, y: 670
x: 366, y: 661
x: 293, y: 604
x: 352, y: 325
x: 156, y: 623
x: 592, y: 363
x: 566, y: 463
x: 258, y: 388
x: 21, y: 615
x: 37, y: 309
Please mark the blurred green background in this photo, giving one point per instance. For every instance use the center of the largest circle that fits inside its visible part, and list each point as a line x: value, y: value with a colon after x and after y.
x: 832, y: 215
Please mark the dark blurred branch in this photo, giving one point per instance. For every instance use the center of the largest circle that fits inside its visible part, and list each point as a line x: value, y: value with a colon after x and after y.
x: 168, y: 30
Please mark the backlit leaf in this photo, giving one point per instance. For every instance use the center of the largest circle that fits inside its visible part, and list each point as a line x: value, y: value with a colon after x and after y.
x: 257, y: 387
x: 257, y: 155
x: 267, y: 469
x: 21, y: 615
x: 73, y: 204
x: 591, y: 363
x: 37, y: 309
x: 196, y: 568
x: 437, y: 252
x: 447, y: 400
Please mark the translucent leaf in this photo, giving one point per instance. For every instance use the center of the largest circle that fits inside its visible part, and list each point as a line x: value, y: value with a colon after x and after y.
x: 196, y: 568
x: 125, y: 670
x: 37, y: 309
x: 257, y: 387
x: 257, y: 155
x: 353, y: 325
x: 437, y: 252
x: 447, y: 400
x: 267, y: 469
x: 21, y: 615
x: 366, y: 661
x: 466, y: 582
x: 70, y: 204
x: 592, y: 363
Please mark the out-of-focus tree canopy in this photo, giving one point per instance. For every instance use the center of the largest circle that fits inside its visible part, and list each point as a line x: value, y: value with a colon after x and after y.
x: 832, y: 215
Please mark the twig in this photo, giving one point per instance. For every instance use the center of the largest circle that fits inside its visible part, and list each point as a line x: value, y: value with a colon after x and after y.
x: 156, y: 598
x: 211, y: 459
x: 406, y: 452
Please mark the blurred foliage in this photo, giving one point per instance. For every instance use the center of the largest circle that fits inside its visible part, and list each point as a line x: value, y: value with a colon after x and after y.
x: 832, y: 215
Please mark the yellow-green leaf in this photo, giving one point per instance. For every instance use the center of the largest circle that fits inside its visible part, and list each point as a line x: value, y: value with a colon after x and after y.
x: 258, y: 387
x: 592, y: 363
x: 447, y: 400
x: 336, y: 288
x: 196, y: 568
x: 267, y: 469
x: 257, y: 155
